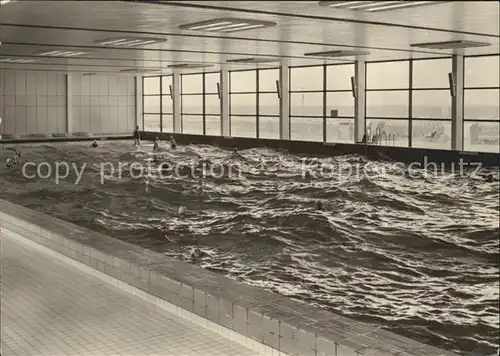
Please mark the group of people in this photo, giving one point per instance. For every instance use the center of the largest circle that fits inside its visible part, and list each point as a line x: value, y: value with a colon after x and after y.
x: 15, y: 159
x: 156, y: 144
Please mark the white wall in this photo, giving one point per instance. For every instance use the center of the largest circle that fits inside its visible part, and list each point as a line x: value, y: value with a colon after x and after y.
x: 32, y: 102
x: 36, y: 102
x: 103, y: 103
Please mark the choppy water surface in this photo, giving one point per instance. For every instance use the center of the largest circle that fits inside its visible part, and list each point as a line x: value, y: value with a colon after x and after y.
x: 417, y: 254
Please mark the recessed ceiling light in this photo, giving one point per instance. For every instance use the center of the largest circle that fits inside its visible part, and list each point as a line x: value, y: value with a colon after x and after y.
x: 139, y: 70
x: 61, y: 53
x: 4, y: 2
x: 375, y: 6
x: 130, y: 41
x: 451, y: 44
x: 253, y: 60
x: 227, y: 25
x: 16, y: 60
x: 338, y: 53
x: 189, y: 66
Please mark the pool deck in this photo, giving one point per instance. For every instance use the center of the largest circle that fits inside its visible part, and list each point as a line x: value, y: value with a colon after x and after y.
x: 62, y: 138
x: 196, y: 307
x: 50, y: 307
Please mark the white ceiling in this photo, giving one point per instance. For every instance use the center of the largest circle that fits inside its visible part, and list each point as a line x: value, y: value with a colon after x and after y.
x: 29, y: 27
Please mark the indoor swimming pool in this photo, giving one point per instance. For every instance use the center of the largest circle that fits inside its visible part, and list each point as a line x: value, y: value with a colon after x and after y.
x: 410, y: 249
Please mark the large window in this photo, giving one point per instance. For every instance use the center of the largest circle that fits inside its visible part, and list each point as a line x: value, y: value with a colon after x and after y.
x: 481, y: 108
x: 307, y: 103
x: 387, y: 103
x: 200, y: 103
x: 339, y: 103
x: 431, y: 104
x: 151, y: 103
x: 192, y: 103
x: 167, y: 104
x: 268, y: 108
x: 243, y: 103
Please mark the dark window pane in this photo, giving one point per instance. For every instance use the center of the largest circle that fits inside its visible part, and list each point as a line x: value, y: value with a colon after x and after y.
x: 431, y: 134
x: 482, y: 72
x: 243, y: 81
x: 338, y: 77
x: 340, y: 130
x: 168, y: 123
x: 243, y: 126
x: 151, y: 85
x: 431, y: 104
x: 267, y: 79
x: 481, y: 136
x: 388, y: 75
x: 387, y: 132
x: 343, y: 102
x: 481, y: 104
x: 192, y: 84
x: 243, y: 104
x: 269, y: 104
x: 152, y: 123
x: 431, y: 73
x: 387, y: 104
x: 192, y: 104
x: 152, y: 104
x: 306, y: 104
x: 306, y: 129
x: 212, y: 125
x: 269, y: 127
x: 306, y: 78
x: 192, y: 124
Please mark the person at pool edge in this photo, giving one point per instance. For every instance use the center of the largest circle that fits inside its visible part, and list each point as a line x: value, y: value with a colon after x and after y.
x: 156, y: 144
x: 173, y: 144
x: 137, y: 137
x: 94, y: 144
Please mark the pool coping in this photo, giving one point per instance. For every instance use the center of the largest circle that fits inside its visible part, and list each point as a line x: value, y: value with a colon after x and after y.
x: 283, y: 325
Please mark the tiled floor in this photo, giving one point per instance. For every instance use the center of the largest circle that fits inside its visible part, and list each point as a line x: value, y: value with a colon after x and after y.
x: 49, y: 307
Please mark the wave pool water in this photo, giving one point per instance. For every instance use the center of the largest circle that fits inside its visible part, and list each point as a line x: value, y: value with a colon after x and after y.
x: 411, y: 250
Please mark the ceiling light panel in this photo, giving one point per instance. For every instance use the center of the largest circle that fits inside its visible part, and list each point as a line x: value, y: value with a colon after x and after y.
x: 376, y: 6
x: 139, y: 70
x: 16, y: 60
x: 61, y: 53
x: 4, y: 2
x: 227, y: 25
x: 130, y: 41
x: 335, y: 54
x: 189, y: 66
x: 253, y: 60
x: 451, y: 44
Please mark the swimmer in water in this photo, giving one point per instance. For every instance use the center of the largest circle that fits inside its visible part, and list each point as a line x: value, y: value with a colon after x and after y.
x: 137, y: 137
x: 308, y: 175
x: 173, y: 144
x: 181, y: 210
x: 94, y: 144
x: 156, y: 160
x: 156, y: 144
x: 8, y: 162
x: 197, y: 254
x: 319, y: 205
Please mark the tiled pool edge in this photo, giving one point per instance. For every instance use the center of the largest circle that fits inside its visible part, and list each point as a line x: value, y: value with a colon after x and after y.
x: 158, y: 302
x: 247, y: 314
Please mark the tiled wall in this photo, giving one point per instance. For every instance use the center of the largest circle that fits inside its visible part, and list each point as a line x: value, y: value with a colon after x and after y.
x: 32, y: 102
x: 103, y: 103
